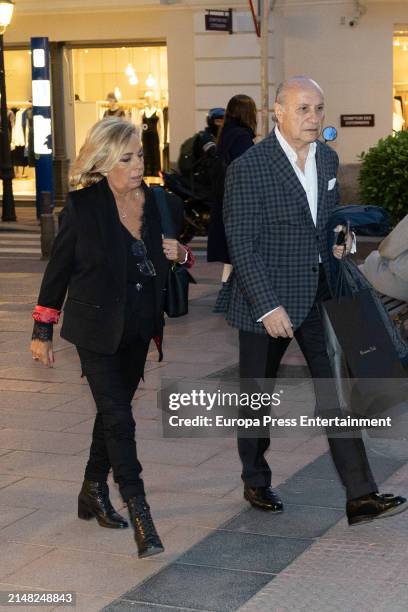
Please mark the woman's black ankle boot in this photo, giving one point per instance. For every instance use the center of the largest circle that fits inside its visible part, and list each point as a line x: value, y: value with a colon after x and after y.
x: 94, y: 502
x: 146, y: 537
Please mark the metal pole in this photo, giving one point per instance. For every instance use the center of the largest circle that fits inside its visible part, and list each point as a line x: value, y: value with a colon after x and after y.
x: 6, y: 169
x: 266, y: 8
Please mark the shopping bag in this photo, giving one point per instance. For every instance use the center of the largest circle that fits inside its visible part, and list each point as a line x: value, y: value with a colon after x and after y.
x: 368, y: 373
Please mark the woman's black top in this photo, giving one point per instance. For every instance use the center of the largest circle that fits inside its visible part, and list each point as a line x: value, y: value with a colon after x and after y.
x: 140, y: 290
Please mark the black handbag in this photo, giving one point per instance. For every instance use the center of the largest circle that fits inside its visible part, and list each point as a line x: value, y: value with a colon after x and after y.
x: 178, y: 278
x: 176, y: 300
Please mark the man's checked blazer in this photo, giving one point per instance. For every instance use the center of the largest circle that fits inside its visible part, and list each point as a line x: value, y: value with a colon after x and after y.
x: 273, y: 243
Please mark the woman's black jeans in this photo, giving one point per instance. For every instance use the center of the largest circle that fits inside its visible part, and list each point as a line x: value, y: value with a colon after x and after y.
x: 113, y: 380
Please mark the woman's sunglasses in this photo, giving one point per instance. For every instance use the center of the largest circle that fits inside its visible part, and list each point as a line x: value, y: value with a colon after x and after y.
x: 143, y: 263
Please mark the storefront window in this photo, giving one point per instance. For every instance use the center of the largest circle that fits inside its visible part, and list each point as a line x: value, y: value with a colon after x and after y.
x: 128, y: 82
x: 20, y: 122
x: 400, y: 89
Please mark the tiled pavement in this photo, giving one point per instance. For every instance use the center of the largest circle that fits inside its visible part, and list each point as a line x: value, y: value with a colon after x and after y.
x: 220, y: 555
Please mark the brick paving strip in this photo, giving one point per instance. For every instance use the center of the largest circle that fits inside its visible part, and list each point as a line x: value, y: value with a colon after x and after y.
x: 233, y: 564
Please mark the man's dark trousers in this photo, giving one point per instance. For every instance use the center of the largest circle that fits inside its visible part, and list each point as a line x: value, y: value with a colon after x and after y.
x: 260, y: 356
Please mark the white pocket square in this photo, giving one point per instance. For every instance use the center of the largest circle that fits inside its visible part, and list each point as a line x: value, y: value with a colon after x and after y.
x: 331, y: 184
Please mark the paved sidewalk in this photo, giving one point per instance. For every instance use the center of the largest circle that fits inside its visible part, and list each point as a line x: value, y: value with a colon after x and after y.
x: 347, y: 569
x: 26, y: 221
x: 220, y: 555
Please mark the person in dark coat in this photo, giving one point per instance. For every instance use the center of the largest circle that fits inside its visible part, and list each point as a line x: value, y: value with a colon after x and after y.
x: 110, y: 261
x: 236, y: 136
x: 278, y: 199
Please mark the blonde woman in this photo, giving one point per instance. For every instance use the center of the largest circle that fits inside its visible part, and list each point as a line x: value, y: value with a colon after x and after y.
x: 111, y: 261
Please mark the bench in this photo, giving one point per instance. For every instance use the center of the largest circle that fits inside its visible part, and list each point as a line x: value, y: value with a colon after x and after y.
x: 398, y: 311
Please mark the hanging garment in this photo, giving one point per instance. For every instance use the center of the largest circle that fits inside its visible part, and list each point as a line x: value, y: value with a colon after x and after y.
x: 10, y: 124
x: 29, y: 136
x: 18, y: 139
x: 151, y: 144
x: 18, y: 136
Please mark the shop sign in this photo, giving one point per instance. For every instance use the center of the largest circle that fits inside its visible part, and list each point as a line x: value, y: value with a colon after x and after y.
x: 357, y: 120
x: 219, y: 21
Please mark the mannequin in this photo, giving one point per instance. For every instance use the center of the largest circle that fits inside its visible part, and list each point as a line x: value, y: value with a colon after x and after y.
x: 151, y: 119
x: 19, y: 143
x: 398, y: 120
x: 114, y: 110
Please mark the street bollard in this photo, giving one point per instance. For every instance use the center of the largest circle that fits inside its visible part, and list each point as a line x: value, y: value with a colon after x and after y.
x: 47, y: 225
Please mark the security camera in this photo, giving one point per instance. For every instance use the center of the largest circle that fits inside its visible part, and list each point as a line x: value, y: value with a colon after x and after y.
x: 359, y: 10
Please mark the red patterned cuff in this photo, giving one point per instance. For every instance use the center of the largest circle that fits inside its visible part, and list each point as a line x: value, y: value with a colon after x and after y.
x: 190, y: 261
x: 42, y: 314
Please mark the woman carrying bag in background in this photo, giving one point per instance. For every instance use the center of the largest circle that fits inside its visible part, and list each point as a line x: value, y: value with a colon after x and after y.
x: 112, y: 261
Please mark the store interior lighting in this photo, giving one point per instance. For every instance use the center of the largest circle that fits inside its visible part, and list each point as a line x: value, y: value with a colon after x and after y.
x: 118, y: 93
x: 133, y: 80
x: 6, y: 13
x: 150, y: 81
x: 130, y: 71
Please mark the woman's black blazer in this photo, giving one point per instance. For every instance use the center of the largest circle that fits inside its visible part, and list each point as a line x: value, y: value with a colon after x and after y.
x: 88, y: 261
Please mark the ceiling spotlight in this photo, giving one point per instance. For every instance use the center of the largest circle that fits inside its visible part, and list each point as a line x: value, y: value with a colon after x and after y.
x: 133, y: 80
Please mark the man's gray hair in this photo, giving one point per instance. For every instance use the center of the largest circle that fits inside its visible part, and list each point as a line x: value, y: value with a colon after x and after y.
x: 294, y: 82
x: 299, y: 81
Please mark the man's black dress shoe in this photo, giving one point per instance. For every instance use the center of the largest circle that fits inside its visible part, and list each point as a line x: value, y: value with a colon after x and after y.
x: 374, y: 506
x: 263, y: 497
x: 146, y: 537
x: 94, y: 502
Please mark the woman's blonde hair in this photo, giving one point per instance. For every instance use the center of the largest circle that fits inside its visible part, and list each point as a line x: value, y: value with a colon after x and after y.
x: 104, y: 145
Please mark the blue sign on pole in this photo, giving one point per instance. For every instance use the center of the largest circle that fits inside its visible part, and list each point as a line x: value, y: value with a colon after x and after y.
x: 41, y: 86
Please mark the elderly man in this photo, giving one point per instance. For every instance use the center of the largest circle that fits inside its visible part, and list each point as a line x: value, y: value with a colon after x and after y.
x: 278, y: 198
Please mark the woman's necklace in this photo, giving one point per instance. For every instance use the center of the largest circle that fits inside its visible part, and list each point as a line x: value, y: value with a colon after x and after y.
x: 123, y: 213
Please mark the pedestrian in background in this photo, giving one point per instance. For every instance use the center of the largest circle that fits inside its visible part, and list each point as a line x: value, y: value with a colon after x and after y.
x: 112, y: 260
x: 236, y: 136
